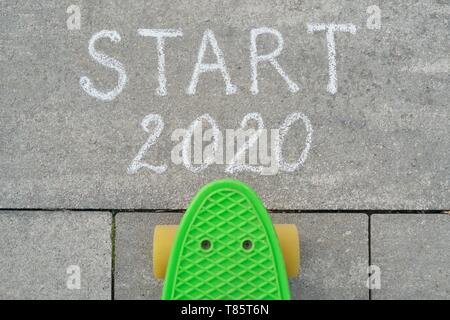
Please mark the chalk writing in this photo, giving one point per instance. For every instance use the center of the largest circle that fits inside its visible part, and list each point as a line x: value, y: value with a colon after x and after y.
x: 200, y: 67
x: 234, y: 165
x: 209, y: 40
x: 255, y: 59
x: 160, y: 35
x: 137, y: 162
x: 213, y: 153
x: 108, y: 62
x: 331, y: 45
x: 284, y: 129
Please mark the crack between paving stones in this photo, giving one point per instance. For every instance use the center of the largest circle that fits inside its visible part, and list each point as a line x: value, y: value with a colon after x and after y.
x: 113, y: 253
x: 275, y: 211
x: 369, y: 244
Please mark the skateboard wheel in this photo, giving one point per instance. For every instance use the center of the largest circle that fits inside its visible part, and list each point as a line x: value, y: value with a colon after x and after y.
x: 164, y: 235
x: 290, y: 246
x: 163, y: 238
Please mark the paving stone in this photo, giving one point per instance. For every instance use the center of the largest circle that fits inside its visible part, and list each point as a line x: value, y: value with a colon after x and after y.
x: 133, y: 262
x: 380, y: 142
x: 43, y: 253
x: 412, y: 252
x: 334, y: 255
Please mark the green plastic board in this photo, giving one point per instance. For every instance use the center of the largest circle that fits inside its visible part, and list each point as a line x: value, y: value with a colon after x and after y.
x: 226, y: 248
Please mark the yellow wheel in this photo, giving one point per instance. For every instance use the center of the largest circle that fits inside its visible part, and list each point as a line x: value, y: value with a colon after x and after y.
x: 163, y: 238
x: 290, y: 246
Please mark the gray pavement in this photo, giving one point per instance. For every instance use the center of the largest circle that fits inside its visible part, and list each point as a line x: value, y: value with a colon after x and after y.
x: 72, y: 137
x: 334, y: 255
x: 55, y: 255
x: 413, y: 254
x: 41, y: 252
x: 380, y: 142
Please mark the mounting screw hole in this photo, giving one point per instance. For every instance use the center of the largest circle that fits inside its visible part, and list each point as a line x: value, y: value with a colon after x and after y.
x: 247, y: 245
x: 206, y: 244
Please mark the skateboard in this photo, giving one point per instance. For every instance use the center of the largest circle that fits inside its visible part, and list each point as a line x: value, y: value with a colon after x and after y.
x: 226, y: 248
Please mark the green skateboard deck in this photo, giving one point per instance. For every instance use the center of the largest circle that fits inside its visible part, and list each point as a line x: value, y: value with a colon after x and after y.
x: 226, y: 248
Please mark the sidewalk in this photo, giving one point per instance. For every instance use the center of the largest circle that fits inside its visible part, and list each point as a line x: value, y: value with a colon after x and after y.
x: 346, y: 102
x: 114, y: 255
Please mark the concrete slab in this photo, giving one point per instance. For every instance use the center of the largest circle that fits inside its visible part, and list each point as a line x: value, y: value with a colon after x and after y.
x: 413, y: 254
x: 55, y: 255
x: 334, y: 255
x: 133, y: 277
x: 380, y: 142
